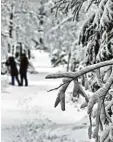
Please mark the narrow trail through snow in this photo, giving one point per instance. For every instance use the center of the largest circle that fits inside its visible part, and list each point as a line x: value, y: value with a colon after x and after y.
x: 30, y: 111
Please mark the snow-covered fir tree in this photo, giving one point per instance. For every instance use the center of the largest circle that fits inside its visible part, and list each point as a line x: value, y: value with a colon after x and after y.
x: 96, y: 37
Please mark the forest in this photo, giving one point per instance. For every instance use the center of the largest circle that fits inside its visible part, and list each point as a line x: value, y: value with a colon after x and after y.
x: 78, y: 36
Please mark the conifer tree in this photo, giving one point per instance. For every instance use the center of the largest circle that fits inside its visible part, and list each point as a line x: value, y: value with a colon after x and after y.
x: 97, y: 37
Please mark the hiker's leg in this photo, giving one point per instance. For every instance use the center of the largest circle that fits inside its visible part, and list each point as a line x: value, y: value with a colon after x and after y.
x: 12, y: 80
x: 26, y: 80
x: 17, y: 79
x: 21, y: 78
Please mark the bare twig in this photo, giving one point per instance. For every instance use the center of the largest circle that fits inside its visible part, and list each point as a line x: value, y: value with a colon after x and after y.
x: 57, y: 87
x: 89, y: 5
x: 68, y: 81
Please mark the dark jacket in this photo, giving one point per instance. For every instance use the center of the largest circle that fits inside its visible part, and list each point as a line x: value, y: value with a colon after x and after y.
x: 12, y: 64
x: 23, y: 65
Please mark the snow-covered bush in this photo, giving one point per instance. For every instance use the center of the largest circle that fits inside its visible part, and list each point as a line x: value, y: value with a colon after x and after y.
x: 58, y: 58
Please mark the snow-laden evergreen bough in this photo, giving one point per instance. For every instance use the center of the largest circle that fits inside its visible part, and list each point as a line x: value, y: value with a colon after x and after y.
x: 102, y: 116
x: 97, y: 37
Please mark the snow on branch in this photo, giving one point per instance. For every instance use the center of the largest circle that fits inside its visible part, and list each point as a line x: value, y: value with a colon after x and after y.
x: 61, y: 95
x: 99, y: 97
x: 60, y: 24
x: 74, y: 5
x: 81, y: 72
x: 76, y: 90
x: 100, y: 94
x: 109, y: 105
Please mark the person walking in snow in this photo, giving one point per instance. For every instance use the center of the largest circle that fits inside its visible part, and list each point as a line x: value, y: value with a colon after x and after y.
x: 23, y: 69
x: 13, y: 70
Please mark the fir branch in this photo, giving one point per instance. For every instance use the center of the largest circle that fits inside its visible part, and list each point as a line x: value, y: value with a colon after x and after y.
x: 81, y: 72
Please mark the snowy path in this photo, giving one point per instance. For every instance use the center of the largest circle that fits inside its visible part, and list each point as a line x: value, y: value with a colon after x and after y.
x: 28, y: 114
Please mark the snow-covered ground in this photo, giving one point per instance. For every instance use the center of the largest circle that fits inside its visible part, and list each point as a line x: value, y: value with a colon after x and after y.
x: 42, y: 63
x: 28, y: 113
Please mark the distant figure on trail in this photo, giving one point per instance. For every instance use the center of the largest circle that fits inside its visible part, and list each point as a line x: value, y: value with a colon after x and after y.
x: 23, y: 69
x: 13, y: 70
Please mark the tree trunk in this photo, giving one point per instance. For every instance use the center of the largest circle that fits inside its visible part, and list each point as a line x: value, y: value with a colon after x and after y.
x: 68, y: 63
x: 11, y: 23
x: 10, y: 27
